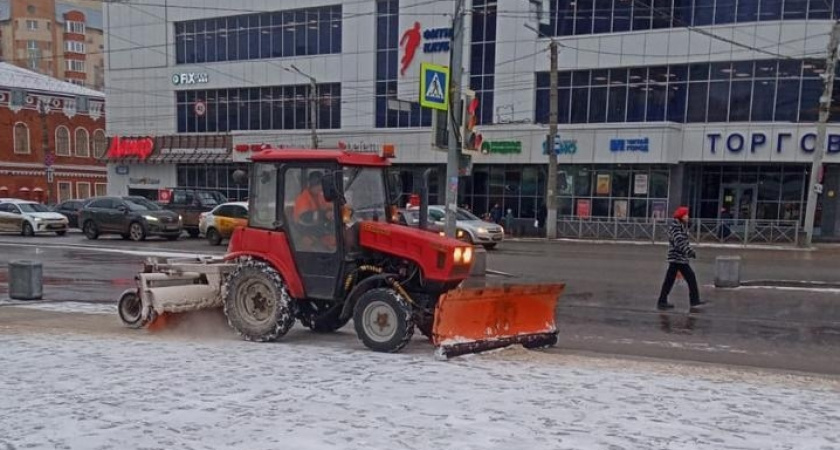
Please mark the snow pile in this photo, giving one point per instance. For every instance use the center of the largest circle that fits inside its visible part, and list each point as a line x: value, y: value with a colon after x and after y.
x: 142, y: 391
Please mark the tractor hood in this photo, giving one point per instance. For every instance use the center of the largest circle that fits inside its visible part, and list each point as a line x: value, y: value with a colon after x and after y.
x: 440, y: 258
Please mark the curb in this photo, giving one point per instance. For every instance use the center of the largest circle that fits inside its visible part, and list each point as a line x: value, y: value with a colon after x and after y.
x: 658, y: 243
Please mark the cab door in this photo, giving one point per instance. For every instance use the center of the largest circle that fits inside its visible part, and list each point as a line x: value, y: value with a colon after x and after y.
x: 317, y: 246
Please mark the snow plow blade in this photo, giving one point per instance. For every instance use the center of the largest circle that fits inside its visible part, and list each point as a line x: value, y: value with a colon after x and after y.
x: 477, y: 320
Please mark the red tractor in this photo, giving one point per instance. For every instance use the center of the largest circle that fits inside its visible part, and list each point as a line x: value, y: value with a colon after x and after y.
x: 323, y: 246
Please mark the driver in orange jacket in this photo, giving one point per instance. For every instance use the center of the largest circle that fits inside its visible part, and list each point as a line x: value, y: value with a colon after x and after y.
x: 313, y: 213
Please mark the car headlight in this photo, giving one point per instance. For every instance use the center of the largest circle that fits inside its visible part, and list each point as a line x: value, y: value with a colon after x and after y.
x: 460, y: 233
x: 482, y: 230
x: 37, y: 219
x: 457, y: 254
x: 180, y: 218
x: 468, y: 254
x: 150, y: 218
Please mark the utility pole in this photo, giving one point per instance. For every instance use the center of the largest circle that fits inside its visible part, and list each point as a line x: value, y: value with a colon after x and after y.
x: 455, y: 113
x: 313, y: 103
x: 814, y: 186
x: 551, y: 185
x: 43, y: 109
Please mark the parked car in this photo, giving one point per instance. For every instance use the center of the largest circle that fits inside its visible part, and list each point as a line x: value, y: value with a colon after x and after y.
x: 470, y: 228
x: 70, y: 209
x: 128, y: 217
x: 190, y: 203
x: 219, y: 223
x: 28, y: 218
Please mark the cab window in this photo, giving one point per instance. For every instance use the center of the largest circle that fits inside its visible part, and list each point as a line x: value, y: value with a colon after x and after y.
x: 263, y: 202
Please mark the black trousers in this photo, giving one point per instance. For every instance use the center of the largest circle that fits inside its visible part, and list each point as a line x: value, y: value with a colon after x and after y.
x: 671, y: 276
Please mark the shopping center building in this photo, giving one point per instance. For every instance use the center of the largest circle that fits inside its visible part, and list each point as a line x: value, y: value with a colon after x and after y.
x: 712, y: 104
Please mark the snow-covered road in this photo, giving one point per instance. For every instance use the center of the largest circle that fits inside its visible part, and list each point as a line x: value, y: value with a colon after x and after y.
x: 74, y: 391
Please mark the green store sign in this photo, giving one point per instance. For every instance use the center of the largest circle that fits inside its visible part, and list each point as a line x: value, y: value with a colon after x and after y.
x: 501, y: 147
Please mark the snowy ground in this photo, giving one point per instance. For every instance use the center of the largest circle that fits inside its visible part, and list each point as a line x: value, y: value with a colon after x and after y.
x: 60, y: 306
x: 137, y: 391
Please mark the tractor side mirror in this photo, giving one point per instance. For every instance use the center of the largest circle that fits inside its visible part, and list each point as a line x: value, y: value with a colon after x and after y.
x: 240, y: 177
x: 333, y: 186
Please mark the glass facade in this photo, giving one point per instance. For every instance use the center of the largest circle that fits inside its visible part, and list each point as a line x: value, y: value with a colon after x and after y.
x: 389, y: 112
x: 483, y: 57
x: 773, y: 192
x: 279, y: 34
x: 259, y: 108
x: 218, y: 177
x: 615, y: 191
x: 739, y: 91
x: 581, y: 17
x: 518, y: 187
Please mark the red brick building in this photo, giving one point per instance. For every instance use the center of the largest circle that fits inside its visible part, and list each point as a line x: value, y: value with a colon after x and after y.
x: 73, y: 119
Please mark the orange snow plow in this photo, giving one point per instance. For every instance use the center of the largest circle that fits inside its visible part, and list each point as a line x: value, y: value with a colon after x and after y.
x: 476, y: 320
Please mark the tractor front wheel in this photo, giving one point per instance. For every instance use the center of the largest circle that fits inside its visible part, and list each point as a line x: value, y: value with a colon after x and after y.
x: 257, y: 304
x: 383, y: 320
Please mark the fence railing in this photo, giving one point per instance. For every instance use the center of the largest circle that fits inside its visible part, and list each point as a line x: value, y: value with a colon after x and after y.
x: 780, y: 232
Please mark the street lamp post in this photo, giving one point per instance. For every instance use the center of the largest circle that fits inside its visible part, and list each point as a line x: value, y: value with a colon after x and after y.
x: 313, y: 103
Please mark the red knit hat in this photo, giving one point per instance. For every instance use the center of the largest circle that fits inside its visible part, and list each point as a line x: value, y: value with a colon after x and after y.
x: 681, y: 212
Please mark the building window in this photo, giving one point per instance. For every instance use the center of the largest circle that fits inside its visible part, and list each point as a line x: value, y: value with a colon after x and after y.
x: 82, y: 104
x: 278, y: 34
x: 100, y: 144
x: 74, y: 27
x: 82, y: 143
x: 262, y: 108
x: 74, y: 65
x: 32, y: 45
x: 74, y: 47
x: 31, y: 25
x: 75, y: 81
x: 21, y: 136
x: 217, y: 177
x: 742, y: 91
x: 390, y: 112
x: 62, y: 141
x: 101, y: 189
x: 582, y: 17
x: 82, y: 190
x: 483, y: 57
x: 65, y: 191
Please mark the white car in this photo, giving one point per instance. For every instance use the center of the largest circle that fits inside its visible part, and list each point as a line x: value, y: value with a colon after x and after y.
x: 219, y: 223
x: 470, y: 228
x: 28, y: 218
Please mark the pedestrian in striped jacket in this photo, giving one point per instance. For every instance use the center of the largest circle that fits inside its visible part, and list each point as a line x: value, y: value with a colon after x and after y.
x: 679, y: 254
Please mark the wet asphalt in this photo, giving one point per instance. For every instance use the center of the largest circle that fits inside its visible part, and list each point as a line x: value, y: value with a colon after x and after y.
x: 608, y: 306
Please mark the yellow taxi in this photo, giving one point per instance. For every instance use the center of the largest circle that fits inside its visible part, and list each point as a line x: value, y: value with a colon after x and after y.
x: 219, y: 223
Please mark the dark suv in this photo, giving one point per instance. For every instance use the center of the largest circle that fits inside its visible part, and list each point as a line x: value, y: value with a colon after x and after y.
x: 70, y: 209
x: 130, y: 217
x: 190, y: 203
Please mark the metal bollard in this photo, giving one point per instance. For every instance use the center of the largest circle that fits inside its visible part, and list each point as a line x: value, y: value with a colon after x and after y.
x: 727, y: 271
x: 479, y: 268
x: 26, y: 280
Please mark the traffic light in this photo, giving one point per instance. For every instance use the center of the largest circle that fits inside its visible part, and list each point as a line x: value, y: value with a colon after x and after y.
x: 470, y: 137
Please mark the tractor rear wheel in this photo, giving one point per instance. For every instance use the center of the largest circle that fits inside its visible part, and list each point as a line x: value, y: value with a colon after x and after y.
x: 257, y: 303
x: 383, y: 320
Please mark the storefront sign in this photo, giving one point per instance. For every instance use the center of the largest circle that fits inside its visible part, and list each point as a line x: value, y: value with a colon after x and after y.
x: 164, y: 195
x: 561, y: 147
x: 122, y: 170
x: 359, y: 147
x: 640, y: 184
x: 188, y: 78
x: 659, y: 209
x: 242, y: 148
x: 192, y: 151
x: 501, y: 147
x: 144, y: 180
x: 200, y: 108
x: 620, y: 209
x: 758, y: 140
x: 131, y: 147
x: 630, y: 145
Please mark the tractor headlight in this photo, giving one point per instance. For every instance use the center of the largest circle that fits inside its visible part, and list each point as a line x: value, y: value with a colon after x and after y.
x: 457, y: 254
x: 468, y: 254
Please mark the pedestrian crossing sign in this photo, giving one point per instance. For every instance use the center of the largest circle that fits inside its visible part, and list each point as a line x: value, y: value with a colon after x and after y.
x: 434, y: 86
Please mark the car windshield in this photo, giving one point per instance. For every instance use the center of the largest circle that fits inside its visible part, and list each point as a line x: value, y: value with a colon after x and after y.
x: 33, y: 207
x: 211, y: 198
x: 463, y: 214
x: 133, y: 205
x: 364, y: 190
x: 148, y: 204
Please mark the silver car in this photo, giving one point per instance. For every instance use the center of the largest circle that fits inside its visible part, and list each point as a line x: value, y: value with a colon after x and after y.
x: 470, y: 228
